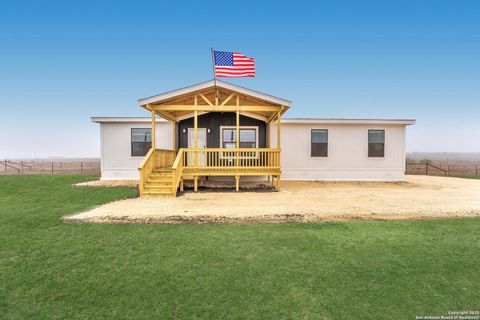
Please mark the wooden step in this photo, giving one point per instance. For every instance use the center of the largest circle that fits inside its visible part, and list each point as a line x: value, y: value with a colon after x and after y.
x: 159, y: 178
x: 157, y: 186
x: 159, y: 182
x: 157, y: 193
x: 161, y: 174
x: 169, y: 170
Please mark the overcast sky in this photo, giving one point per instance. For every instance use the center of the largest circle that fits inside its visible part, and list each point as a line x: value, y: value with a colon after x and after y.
x: 62, y: 62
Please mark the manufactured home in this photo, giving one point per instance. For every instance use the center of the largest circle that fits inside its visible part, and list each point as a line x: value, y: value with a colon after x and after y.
x: 217, y: 130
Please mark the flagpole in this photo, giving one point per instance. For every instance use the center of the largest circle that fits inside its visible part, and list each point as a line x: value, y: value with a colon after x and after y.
x: 213, y: 69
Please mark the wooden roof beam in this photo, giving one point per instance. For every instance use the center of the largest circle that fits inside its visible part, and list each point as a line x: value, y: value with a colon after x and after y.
x: 276, y: 115
x: 228, y: 98
x: 213, y: 108
x: 165, y: 114
x: 206, y: 100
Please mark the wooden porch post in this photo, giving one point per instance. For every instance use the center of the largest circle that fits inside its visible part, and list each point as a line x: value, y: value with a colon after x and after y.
x: 195, y: 149
x: 153, y: 129
x: 278, y: 129
x: 237, y: 128
x: 174, y: 136
x: 279, y: 115
x: 267, y: 133
x: 237, y: 142
x: 269, y: 145
x: 195, y: 138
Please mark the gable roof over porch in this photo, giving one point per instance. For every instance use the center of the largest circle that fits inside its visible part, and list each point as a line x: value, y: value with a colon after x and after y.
x: 215, y: 96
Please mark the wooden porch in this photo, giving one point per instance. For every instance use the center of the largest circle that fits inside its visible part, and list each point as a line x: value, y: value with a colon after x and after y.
x: 162, y: 172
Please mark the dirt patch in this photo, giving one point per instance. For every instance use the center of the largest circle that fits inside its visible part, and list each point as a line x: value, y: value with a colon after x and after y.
x: 286, y: 218
x: 108, y: 183
x: 419, y: 197
x: 259, y: 187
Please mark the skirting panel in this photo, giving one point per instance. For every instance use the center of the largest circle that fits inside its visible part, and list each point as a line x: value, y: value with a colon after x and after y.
x: 120, y: 174
x: 344, y: 175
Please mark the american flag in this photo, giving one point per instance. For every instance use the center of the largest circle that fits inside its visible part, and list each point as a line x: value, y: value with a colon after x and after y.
x: 233, y: 65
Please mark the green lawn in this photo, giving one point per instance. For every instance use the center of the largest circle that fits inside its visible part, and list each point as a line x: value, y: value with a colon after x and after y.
x: 356, y: 270
x: 470, y: 177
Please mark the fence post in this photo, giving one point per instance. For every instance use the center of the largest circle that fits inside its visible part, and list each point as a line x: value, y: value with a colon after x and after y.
x: 426, y: 169
x: 476, y: 170
x: 5, y: 166
x: 448, y: 170
x: 21, y: 163
x: 81, y: 167
x: 52, y: 167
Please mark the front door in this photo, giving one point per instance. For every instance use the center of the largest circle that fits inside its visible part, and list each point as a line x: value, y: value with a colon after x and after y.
x: 202, y: 144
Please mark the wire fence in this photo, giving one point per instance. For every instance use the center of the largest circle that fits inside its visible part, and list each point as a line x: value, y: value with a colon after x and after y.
x: 442, y: 169
x: 92, y: 167
x: 86, y: 167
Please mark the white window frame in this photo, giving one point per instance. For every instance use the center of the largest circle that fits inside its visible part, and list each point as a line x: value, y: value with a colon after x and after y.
x: 384, y: 143
x: 131, y: 142
x: 240, y: 128
x: 310, y: 145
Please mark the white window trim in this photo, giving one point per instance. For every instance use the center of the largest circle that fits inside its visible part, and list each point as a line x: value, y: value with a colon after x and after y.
x: 132, y: 157
x: 240, y: 127
x: 384, y: 144
x: 310, y: 145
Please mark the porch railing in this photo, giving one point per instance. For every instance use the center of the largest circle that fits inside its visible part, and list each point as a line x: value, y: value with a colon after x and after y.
x: 146, y: 167
x: 177, y: 168
x: 225, y: 161
x: 155, y: 158
x: 233, y: 159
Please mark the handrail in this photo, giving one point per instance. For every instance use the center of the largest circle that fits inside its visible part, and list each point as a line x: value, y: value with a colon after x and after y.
x: 146, y: 167
x: 177, y: 159
x: 177, y: 168
x: 147, y: 157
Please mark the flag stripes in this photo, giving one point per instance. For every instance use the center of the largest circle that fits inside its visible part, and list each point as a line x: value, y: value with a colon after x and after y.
x: 233, y: 65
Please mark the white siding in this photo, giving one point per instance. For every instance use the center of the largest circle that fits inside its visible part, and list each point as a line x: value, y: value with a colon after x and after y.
x: 116, y: 159
x: 347, y: 153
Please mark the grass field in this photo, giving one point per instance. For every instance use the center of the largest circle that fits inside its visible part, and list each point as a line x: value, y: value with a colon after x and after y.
x: 356, y: 270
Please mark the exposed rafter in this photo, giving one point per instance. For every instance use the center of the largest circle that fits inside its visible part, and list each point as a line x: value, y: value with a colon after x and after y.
x: 165, y: 114
x: 218, y: 108
x: 205, y: 99
x: 228, y: 98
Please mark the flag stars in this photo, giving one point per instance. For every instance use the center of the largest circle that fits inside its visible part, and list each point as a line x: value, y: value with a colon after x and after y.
x: 223, y: 58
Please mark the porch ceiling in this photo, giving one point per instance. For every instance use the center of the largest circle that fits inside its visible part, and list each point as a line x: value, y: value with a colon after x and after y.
x: 224, y: 97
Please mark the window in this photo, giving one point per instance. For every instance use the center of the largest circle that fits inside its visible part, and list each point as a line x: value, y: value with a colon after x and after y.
x: 141, y: 141
x: 229, y: 138
x: 248, y: 137
x: 376, y: 143
x: 319, y: 143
